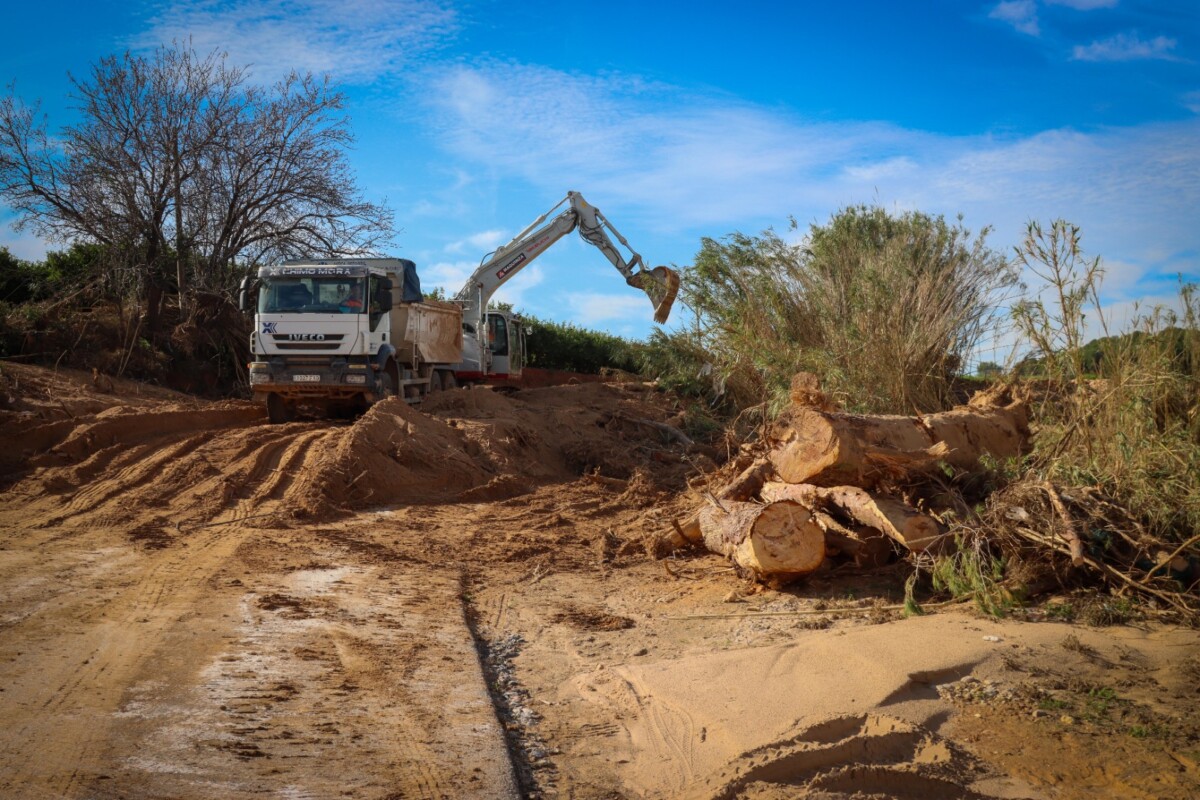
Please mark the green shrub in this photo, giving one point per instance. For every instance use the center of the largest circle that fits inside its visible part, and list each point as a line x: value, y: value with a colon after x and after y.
x: 883, y: 308
x: 1121, y: 413
x: 560, y: 345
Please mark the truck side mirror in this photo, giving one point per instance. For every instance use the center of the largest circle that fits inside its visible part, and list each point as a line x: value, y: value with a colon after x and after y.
x: 383, y: 289
x: 243, y: 290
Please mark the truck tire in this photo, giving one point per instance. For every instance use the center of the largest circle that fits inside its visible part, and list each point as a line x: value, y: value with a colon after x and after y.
x: 435, y: 382
x: 279, y: 410
x: 388, y: 381
x: 449, y: 381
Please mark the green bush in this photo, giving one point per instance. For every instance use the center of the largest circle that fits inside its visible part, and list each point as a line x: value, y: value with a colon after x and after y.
x: 1122, y: 413
x: 560, y: 345
x: 61, y: 273
x: 18, y: 279
x: 883, y: 308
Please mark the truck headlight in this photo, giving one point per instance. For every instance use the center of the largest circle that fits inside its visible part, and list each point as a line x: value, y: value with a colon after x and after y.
x: 356, y: 378
x: 260, y: 377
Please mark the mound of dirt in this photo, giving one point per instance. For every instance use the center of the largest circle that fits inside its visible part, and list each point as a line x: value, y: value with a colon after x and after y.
x: 393, y: 454
x: 479, y: 445
x: 96, y: 449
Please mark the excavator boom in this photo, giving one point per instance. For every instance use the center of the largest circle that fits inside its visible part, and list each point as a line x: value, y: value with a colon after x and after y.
x: 661, y: 284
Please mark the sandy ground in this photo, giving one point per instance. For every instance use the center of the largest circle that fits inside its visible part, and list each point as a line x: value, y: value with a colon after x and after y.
x: 458, y: 603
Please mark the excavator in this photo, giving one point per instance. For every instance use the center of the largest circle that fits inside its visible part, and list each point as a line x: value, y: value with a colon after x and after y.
x: 494, y: 341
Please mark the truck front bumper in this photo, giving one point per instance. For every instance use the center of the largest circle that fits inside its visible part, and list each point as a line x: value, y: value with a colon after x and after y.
x: 327, y: 380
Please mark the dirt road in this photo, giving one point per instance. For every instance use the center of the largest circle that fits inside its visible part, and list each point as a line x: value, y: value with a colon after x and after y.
x: 159, y: 641
x: 458, y: 603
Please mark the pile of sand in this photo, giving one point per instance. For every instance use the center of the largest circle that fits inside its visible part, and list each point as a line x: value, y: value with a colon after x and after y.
x: 125, y: 448
x: 393, y: 454
x: 478, y: 445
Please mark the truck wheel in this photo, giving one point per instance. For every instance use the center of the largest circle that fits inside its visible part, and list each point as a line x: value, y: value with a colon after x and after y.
x: 279, y: 410
x: 387, y: 381
x: 449, y: 381
x: 435, y: 381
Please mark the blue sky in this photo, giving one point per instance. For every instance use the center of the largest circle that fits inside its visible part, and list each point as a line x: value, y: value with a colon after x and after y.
x: 683, y: 121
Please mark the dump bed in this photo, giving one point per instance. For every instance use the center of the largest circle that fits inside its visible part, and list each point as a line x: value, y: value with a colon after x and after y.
x: 427, y: 332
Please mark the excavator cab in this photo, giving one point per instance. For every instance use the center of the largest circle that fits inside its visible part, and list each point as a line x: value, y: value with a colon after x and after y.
x: 506, y: 344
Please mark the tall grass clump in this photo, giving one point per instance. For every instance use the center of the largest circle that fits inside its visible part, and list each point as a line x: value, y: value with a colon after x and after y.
x: 1121, y: 414
x: 884, y: 308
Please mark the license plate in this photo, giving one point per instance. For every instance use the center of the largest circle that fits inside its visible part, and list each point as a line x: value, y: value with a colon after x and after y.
x: 306, y: 378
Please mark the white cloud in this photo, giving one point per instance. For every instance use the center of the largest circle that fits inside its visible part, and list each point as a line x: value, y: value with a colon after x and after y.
x: 888, y: 168
x: 1021, y: 14
x: 481, y: 243
x: 450, y: 276
x: 1191, y: 101
x: 514, y: 291
x: 24, y: 246
x: 356, y: 40
x: 589, y: 309
x: 1121, y: 276
x: 1126, y: 47
x: 686, y: 165
x: 1130, y: 315
x: 1083, y: 5
x: 683, y: 160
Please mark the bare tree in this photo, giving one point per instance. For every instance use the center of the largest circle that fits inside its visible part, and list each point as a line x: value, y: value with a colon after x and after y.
x: 278, y: 185
x: 190, y: 172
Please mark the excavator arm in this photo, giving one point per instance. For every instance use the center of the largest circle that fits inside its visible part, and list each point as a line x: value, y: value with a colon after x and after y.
x: 660, y: 283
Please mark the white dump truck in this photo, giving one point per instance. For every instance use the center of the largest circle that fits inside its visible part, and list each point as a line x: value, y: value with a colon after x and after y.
x: 340, y: 334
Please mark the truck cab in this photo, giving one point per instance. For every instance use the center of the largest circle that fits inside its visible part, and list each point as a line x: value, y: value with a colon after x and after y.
x: 341, y: 334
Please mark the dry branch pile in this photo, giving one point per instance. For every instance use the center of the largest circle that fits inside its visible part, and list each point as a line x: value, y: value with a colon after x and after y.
x: 841, y: 485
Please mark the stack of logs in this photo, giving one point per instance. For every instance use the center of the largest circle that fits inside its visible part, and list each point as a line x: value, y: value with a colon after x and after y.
x: 829, y: 485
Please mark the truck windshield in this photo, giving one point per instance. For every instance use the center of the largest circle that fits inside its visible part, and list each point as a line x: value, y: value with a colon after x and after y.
x: 311, y: 295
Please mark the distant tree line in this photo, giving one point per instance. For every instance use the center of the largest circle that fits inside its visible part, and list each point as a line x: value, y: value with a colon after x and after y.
x: 561, y: 345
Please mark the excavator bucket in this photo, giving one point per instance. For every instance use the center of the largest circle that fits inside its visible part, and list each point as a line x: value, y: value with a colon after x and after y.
x: 662, y: 288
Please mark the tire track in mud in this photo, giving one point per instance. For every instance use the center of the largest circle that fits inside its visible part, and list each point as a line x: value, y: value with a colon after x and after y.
x: 57, y: 710
x: 416, y: 766
x: 131, y: 469
x: 673, y: 736
x: 357, y: 661
x: 89, y: 681
x: 664, y: 732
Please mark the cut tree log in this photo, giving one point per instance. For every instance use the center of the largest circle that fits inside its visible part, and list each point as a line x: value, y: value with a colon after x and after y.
x: 969, y: 432
x: 775, y: 543
x: 834, y: 449
x: 916, y: 531
x: 867, y: 546
x: 806, y: 391
x: 746, y: 485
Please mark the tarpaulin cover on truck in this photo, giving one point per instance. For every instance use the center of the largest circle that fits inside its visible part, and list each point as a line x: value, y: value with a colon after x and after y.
x: 412, y: 282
